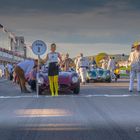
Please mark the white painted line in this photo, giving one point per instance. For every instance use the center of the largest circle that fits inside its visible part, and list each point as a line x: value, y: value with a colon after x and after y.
x: 3, y: 80
x: 108, y: 95
x: 118, y: 95
x: 17, y: 97
x: 73, y: 96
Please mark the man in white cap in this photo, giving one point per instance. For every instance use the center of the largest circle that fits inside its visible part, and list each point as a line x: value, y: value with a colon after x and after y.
x: 83, y: 64
x: 134, y: 63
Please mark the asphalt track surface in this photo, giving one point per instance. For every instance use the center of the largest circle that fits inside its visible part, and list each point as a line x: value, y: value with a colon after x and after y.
x: 102, y: 111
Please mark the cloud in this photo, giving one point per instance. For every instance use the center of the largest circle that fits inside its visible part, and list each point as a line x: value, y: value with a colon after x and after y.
x: 64, y: 6
x: 91, y: 49
x: 53, y: 6
x: 87, y: 49
x: 111, y: 24
x: 78, y: 27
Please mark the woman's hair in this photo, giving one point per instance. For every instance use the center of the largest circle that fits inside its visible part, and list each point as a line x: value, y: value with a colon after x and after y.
x: 53, y: 45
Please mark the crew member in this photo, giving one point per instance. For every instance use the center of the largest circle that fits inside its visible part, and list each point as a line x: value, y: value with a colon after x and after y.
x: 53, y: 59
x: 83, y: 64
x: 76, y: 64
x: 67, y: 63
x: 111, y: 66
x: 93, y: 64
x: 32, y: 78
x: 104, y: 63
x: 7, y: 74
x: 117, y: 72
x: 2, y: 69
x: 22, y: 70
x: 134, y: 62
x: 10, y: 70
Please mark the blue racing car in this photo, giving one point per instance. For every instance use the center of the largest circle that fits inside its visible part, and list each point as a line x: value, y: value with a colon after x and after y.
x: 98, y: 75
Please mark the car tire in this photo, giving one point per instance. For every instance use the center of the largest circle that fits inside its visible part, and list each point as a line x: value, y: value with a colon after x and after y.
x: 76, y: 90
x: 109, y: 80
x: 40, y: 91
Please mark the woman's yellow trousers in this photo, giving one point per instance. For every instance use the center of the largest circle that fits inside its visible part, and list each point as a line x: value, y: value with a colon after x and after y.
x: 53, y: 80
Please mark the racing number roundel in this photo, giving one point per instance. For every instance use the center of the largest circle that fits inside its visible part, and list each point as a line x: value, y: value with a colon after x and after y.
x: 39, y: 47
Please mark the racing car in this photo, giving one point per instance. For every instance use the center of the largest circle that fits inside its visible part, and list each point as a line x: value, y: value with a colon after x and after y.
x: 98, y: 75
x: 68, y: 80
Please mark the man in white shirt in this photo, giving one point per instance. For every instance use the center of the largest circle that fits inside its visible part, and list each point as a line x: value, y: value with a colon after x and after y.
x: 104, y: 63
x: 2, y: 68
x: 10, y: 70
x: 83, y: 64
x: 10, y: 67
x: 111, y: 66
x: 76, y: 64
x: 22, y: 70
x: 134, y: 63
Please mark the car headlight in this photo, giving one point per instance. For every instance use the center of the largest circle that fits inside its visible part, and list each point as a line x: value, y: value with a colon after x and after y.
x: 74, y: 79
x: 40, y: 80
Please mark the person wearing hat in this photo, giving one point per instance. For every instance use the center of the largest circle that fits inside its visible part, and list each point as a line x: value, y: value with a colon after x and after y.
x: 134, y: 63
x: 53, y: 58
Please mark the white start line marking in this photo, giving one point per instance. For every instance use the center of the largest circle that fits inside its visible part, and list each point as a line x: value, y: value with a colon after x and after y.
x: 73, y: 96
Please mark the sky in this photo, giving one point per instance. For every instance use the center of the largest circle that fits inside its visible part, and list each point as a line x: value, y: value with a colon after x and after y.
x: 88, y: 26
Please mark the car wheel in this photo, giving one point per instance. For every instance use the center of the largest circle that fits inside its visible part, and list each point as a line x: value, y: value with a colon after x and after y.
x: 76, y: 90
x: 40, y: 91
x: 109, y: 80
x: 87, y: 80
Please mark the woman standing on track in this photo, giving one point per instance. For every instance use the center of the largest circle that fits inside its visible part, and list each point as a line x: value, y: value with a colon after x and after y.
x: 53, y: 70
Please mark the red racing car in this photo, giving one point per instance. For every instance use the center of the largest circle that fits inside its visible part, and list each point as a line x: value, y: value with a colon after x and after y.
x: 68, y: 81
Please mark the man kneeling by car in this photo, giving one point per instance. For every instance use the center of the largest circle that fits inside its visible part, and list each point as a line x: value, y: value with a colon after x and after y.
x: 32, y: 78
x: 22, y: 70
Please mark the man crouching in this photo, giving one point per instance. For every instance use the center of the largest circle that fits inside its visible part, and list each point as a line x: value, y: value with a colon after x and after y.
x: 22, y: 69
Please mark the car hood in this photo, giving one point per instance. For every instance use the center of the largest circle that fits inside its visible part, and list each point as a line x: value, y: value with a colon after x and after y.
x: 98, y: 73
x: 64, y: 77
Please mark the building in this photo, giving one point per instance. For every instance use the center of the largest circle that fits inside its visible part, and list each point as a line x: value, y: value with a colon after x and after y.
x: 18, y: 45
x: 12, y: 48
x: 7, y: 56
